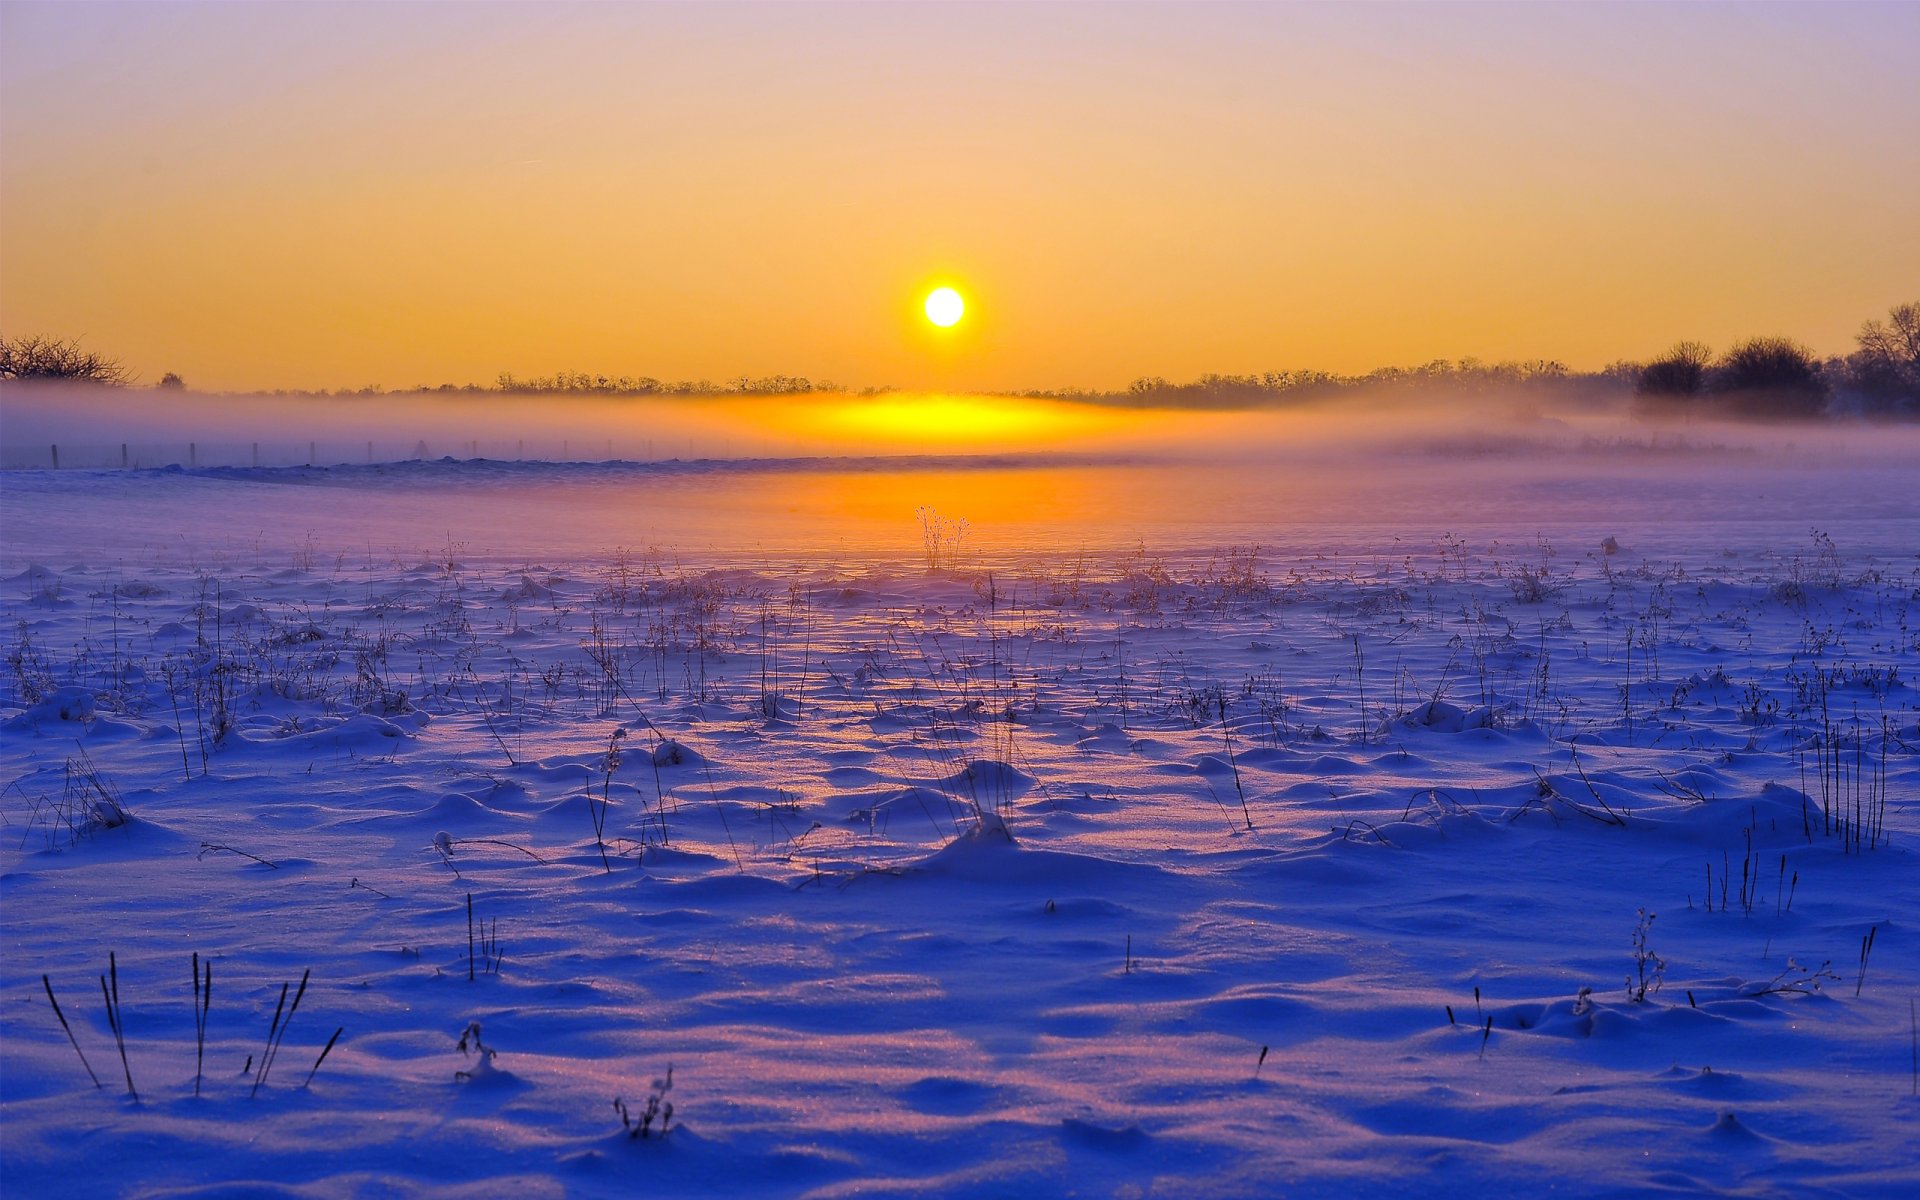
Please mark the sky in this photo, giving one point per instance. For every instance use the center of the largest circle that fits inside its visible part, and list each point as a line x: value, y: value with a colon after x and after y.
x: 337, y: 195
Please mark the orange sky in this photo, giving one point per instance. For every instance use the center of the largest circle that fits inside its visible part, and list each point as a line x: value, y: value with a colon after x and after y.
x: 295, y: 195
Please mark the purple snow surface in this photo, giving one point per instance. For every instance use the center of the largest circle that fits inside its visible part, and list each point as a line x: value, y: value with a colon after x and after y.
x: 1312, y: 828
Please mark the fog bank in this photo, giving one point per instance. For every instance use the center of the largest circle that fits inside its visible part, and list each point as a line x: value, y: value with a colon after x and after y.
x: 105, y: 427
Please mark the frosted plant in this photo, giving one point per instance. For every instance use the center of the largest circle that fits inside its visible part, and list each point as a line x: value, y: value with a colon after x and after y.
x: 657, y: 1107
x: 1648, y: 968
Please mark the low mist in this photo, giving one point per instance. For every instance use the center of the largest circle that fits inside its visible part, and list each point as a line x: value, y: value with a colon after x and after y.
x: 111, y: 427
x: 862, y: 474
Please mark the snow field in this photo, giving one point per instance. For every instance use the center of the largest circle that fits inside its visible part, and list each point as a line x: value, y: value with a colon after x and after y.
x: 1220, y: 871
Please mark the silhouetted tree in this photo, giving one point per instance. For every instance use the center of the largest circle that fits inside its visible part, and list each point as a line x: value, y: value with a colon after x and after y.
x: 58, y: 360
x: 171, y: 382
x: 1676, y: 378
x: 1885, y: 370
x: 1622, y: 371
x: 1769, y: 377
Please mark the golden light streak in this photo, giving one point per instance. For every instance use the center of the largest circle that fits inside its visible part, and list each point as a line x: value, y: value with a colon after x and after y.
x: 964, y: 422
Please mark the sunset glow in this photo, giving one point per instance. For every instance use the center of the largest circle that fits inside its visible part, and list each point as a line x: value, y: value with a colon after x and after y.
x: 322, y: 195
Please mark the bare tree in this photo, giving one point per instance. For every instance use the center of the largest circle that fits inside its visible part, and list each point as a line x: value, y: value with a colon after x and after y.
x: 1886, y: 368
x: 1896, y: 339
x: 1676, y: 376
x: 48, y: 359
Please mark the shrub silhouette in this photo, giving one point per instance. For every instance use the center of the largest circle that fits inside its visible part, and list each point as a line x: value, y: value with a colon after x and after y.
x: 1770, y: 377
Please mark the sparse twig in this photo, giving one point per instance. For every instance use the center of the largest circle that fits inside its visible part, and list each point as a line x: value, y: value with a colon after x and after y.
x: 202, y: 1003
x: 1226, y: 731
x: 1798, y: 980
x: 445, y: 845
x: 48, y: 984
x: 324, y: 1051
x: 272, y: 1029
x: 1866, y: 953
x: 207, y: 848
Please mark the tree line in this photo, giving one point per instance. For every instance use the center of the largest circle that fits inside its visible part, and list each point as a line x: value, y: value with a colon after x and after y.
x: 1768, y: 378
x: 1269, y: 388
x: 1778, y: 378
x: 646, y: 385
x: 1774, y: 378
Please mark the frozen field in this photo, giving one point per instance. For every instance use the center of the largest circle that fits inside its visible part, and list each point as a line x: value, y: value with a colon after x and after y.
x: 1497, y: 822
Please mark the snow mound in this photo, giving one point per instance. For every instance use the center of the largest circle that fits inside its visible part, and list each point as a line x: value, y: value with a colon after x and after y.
x: 1443, y: 717
x: 67, y: 705
x: 983, y: 777
x: 672, y: 753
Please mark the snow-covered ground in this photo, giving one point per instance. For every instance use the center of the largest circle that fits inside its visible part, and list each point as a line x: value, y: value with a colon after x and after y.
x: 1463, y: 825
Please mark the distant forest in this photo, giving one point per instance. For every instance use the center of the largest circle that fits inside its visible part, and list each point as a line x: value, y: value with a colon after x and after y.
x: 1772, y: 378
x: 1767, y: 378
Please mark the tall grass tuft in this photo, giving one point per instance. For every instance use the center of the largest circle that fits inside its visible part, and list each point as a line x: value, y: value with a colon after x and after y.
x: 112, y: 996
x: 277, y: 1032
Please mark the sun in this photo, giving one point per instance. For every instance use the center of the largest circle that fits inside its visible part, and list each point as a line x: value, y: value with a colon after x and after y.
x: 944, y: 307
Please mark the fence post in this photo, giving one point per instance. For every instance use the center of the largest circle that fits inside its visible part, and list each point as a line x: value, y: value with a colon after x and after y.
x: 369, y: 451
x: 56, y: 456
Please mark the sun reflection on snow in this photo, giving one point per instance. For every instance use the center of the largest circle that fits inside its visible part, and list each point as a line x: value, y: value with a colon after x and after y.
x: 922, y: 422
